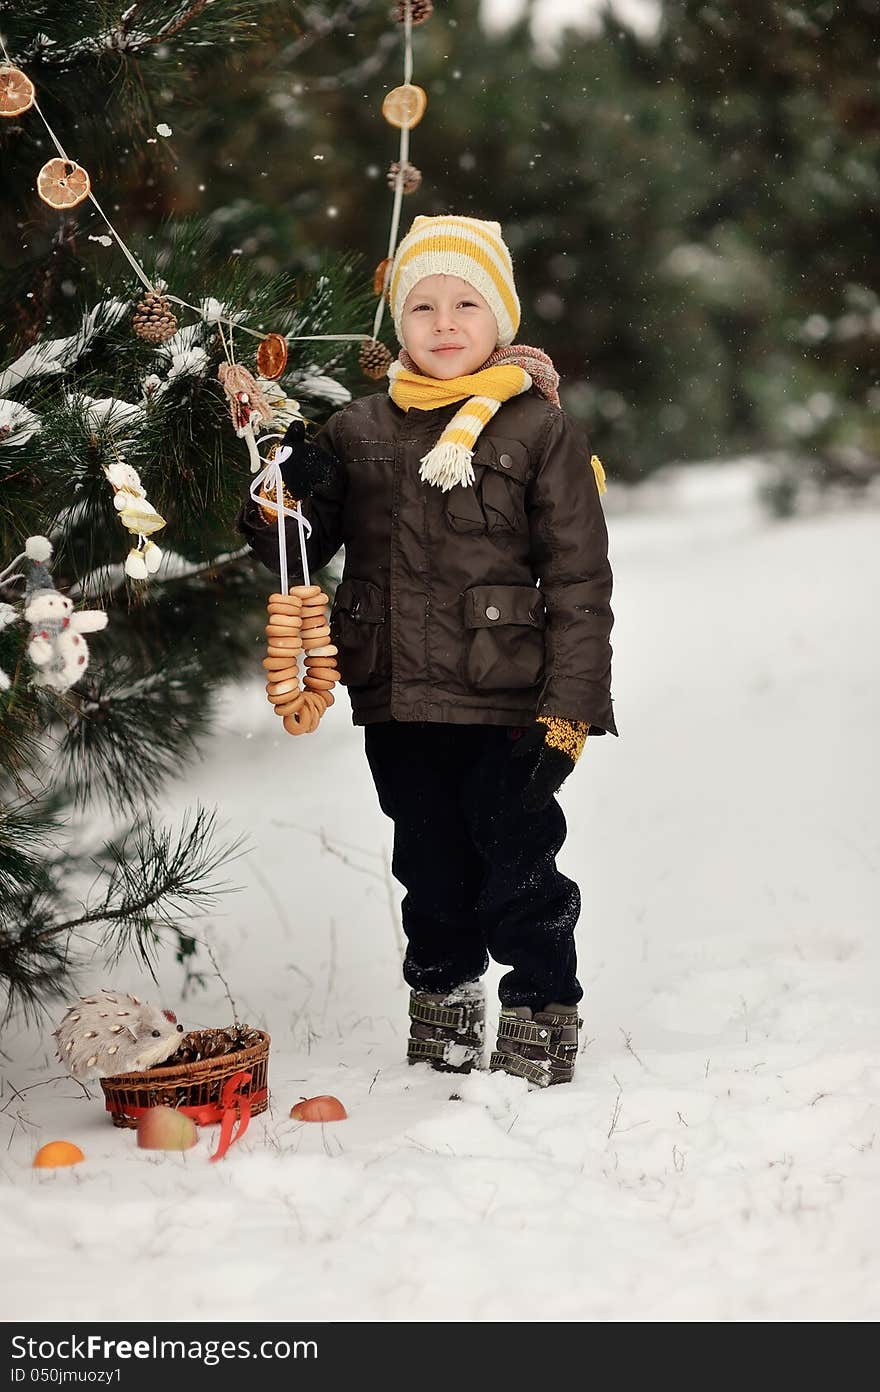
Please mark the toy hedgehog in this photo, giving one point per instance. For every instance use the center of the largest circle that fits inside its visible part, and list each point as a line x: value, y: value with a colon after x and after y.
x: 110, y: 1032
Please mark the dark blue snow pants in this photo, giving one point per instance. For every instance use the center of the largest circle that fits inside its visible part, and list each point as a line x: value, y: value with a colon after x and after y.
x: 479, y: 871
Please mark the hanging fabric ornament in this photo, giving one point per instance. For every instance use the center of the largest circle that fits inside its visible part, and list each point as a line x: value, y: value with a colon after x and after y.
x: 382, y: 277
x: 138, y: 516
x: 110, y: 1032
x: 55, y: 646
x: 8, y: 615
x: 419, y: 10
x: 63, y: 184
x: 284, y: 408
x: 405, y: 106
x: 272, y: 356
x: 248, y: 406
x: 154, y: 320
x: 412, y: 177
x: 374, y: 358
x: 16, y: 91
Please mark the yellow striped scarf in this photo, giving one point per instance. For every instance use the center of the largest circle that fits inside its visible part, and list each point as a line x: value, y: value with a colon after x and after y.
x: 449, y: 462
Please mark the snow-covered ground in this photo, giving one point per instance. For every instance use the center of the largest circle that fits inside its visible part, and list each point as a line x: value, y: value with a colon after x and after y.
x: 717, y: 1157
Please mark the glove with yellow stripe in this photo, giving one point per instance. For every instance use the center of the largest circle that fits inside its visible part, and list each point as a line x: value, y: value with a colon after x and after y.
x: 559, y: 744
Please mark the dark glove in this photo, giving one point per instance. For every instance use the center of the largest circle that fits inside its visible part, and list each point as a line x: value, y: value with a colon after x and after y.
x: 306, y: 467
x: 558, y: 744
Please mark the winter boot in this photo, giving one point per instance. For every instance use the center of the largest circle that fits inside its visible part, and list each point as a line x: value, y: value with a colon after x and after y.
x: 540, y: 1047
x: 446, y: 1031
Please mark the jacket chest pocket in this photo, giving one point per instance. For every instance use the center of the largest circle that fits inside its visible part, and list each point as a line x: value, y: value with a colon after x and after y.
x: 505, y: 625
x: 495, y: 501
x: 358, y: 628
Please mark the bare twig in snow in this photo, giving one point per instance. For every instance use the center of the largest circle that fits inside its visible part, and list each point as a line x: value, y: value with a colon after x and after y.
x: 627, y: 1041
x: 745, y: 1015
x: 331, y: 969
x: 270, y: 895
x: 333, y: 850
x: 216, y: 965
x: 615, y: 1116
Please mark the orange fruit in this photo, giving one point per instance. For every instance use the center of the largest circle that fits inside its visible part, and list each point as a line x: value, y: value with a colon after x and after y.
x: 55, y: 1153
x: 16, y: 91
x: 405, y: 106
x: 63, y: 184
x: 323, y: 1108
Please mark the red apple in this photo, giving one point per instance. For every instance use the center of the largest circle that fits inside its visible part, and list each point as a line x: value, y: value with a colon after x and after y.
x: 164, y: 1128
x: 323, y: 1108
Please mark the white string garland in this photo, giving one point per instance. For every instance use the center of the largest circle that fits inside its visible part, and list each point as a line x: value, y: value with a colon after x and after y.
x: 402, y: 158
x: 269, y: 479
x: 138, y: 269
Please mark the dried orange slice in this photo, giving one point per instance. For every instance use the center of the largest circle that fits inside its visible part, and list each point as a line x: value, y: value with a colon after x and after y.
x: 405, y: 106
x: 272, y: 356
x: 381, y: 275
x: 16, y: 91
x: 63, y: 184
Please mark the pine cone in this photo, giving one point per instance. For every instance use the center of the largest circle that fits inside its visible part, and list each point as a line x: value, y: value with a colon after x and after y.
x: 412, y: 177
x: 154, y: 320
x: 421, y: 10
x: 374, y: 359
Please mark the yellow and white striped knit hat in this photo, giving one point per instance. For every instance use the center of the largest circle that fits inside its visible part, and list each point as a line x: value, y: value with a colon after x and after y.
x: 460, y: 246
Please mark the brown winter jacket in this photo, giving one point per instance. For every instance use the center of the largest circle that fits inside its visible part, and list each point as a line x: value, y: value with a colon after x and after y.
x: 488, y: 604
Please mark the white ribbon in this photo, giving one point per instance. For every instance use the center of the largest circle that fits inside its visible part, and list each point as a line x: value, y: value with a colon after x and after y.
x: 270, y: 476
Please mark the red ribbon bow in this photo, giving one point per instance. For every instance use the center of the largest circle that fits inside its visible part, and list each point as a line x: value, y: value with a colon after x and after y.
x: 234, y: 1105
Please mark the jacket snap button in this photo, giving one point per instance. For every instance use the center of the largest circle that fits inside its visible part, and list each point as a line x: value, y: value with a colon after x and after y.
x: 505, y: 461
x: 492, y: 612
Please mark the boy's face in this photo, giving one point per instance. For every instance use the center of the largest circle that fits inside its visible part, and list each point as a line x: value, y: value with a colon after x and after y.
x: 448, y: 328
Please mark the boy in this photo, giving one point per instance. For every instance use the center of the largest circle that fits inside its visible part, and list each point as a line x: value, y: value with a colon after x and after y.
x: 472, y: 622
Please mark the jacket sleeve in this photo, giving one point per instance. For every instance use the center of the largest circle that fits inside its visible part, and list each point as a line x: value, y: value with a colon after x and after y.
x: 323, y: 509
x: 569, y: 547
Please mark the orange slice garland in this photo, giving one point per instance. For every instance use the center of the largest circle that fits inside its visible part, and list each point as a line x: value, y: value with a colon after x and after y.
x: 272, y: 356
x: 381, y: 276
x: 405, y: 106
x: 17, y: 92
x: 63, y: 184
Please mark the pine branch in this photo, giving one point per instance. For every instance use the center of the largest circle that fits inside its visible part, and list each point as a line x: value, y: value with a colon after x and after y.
x: 24, y: 831
x: 154, y: 880
x: 26, y: 30
x: 186, y: 15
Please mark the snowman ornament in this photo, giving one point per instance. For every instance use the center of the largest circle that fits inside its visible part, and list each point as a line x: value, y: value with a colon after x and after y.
x: 56, y: 646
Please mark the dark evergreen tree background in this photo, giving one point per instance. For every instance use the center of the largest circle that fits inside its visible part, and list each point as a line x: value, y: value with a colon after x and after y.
x: 692, y: 215
x: 693, y: 218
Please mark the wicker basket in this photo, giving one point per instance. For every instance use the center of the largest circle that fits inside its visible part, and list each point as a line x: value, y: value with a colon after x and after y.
x: 190, y: 1084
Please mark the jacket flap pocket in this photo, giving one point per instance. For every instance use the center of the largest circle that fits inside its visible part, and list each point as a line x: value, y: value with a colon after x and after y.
x: 361, y: 599
x: 507, y: 457
x: 464, y: 511
x: 488, y: 606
